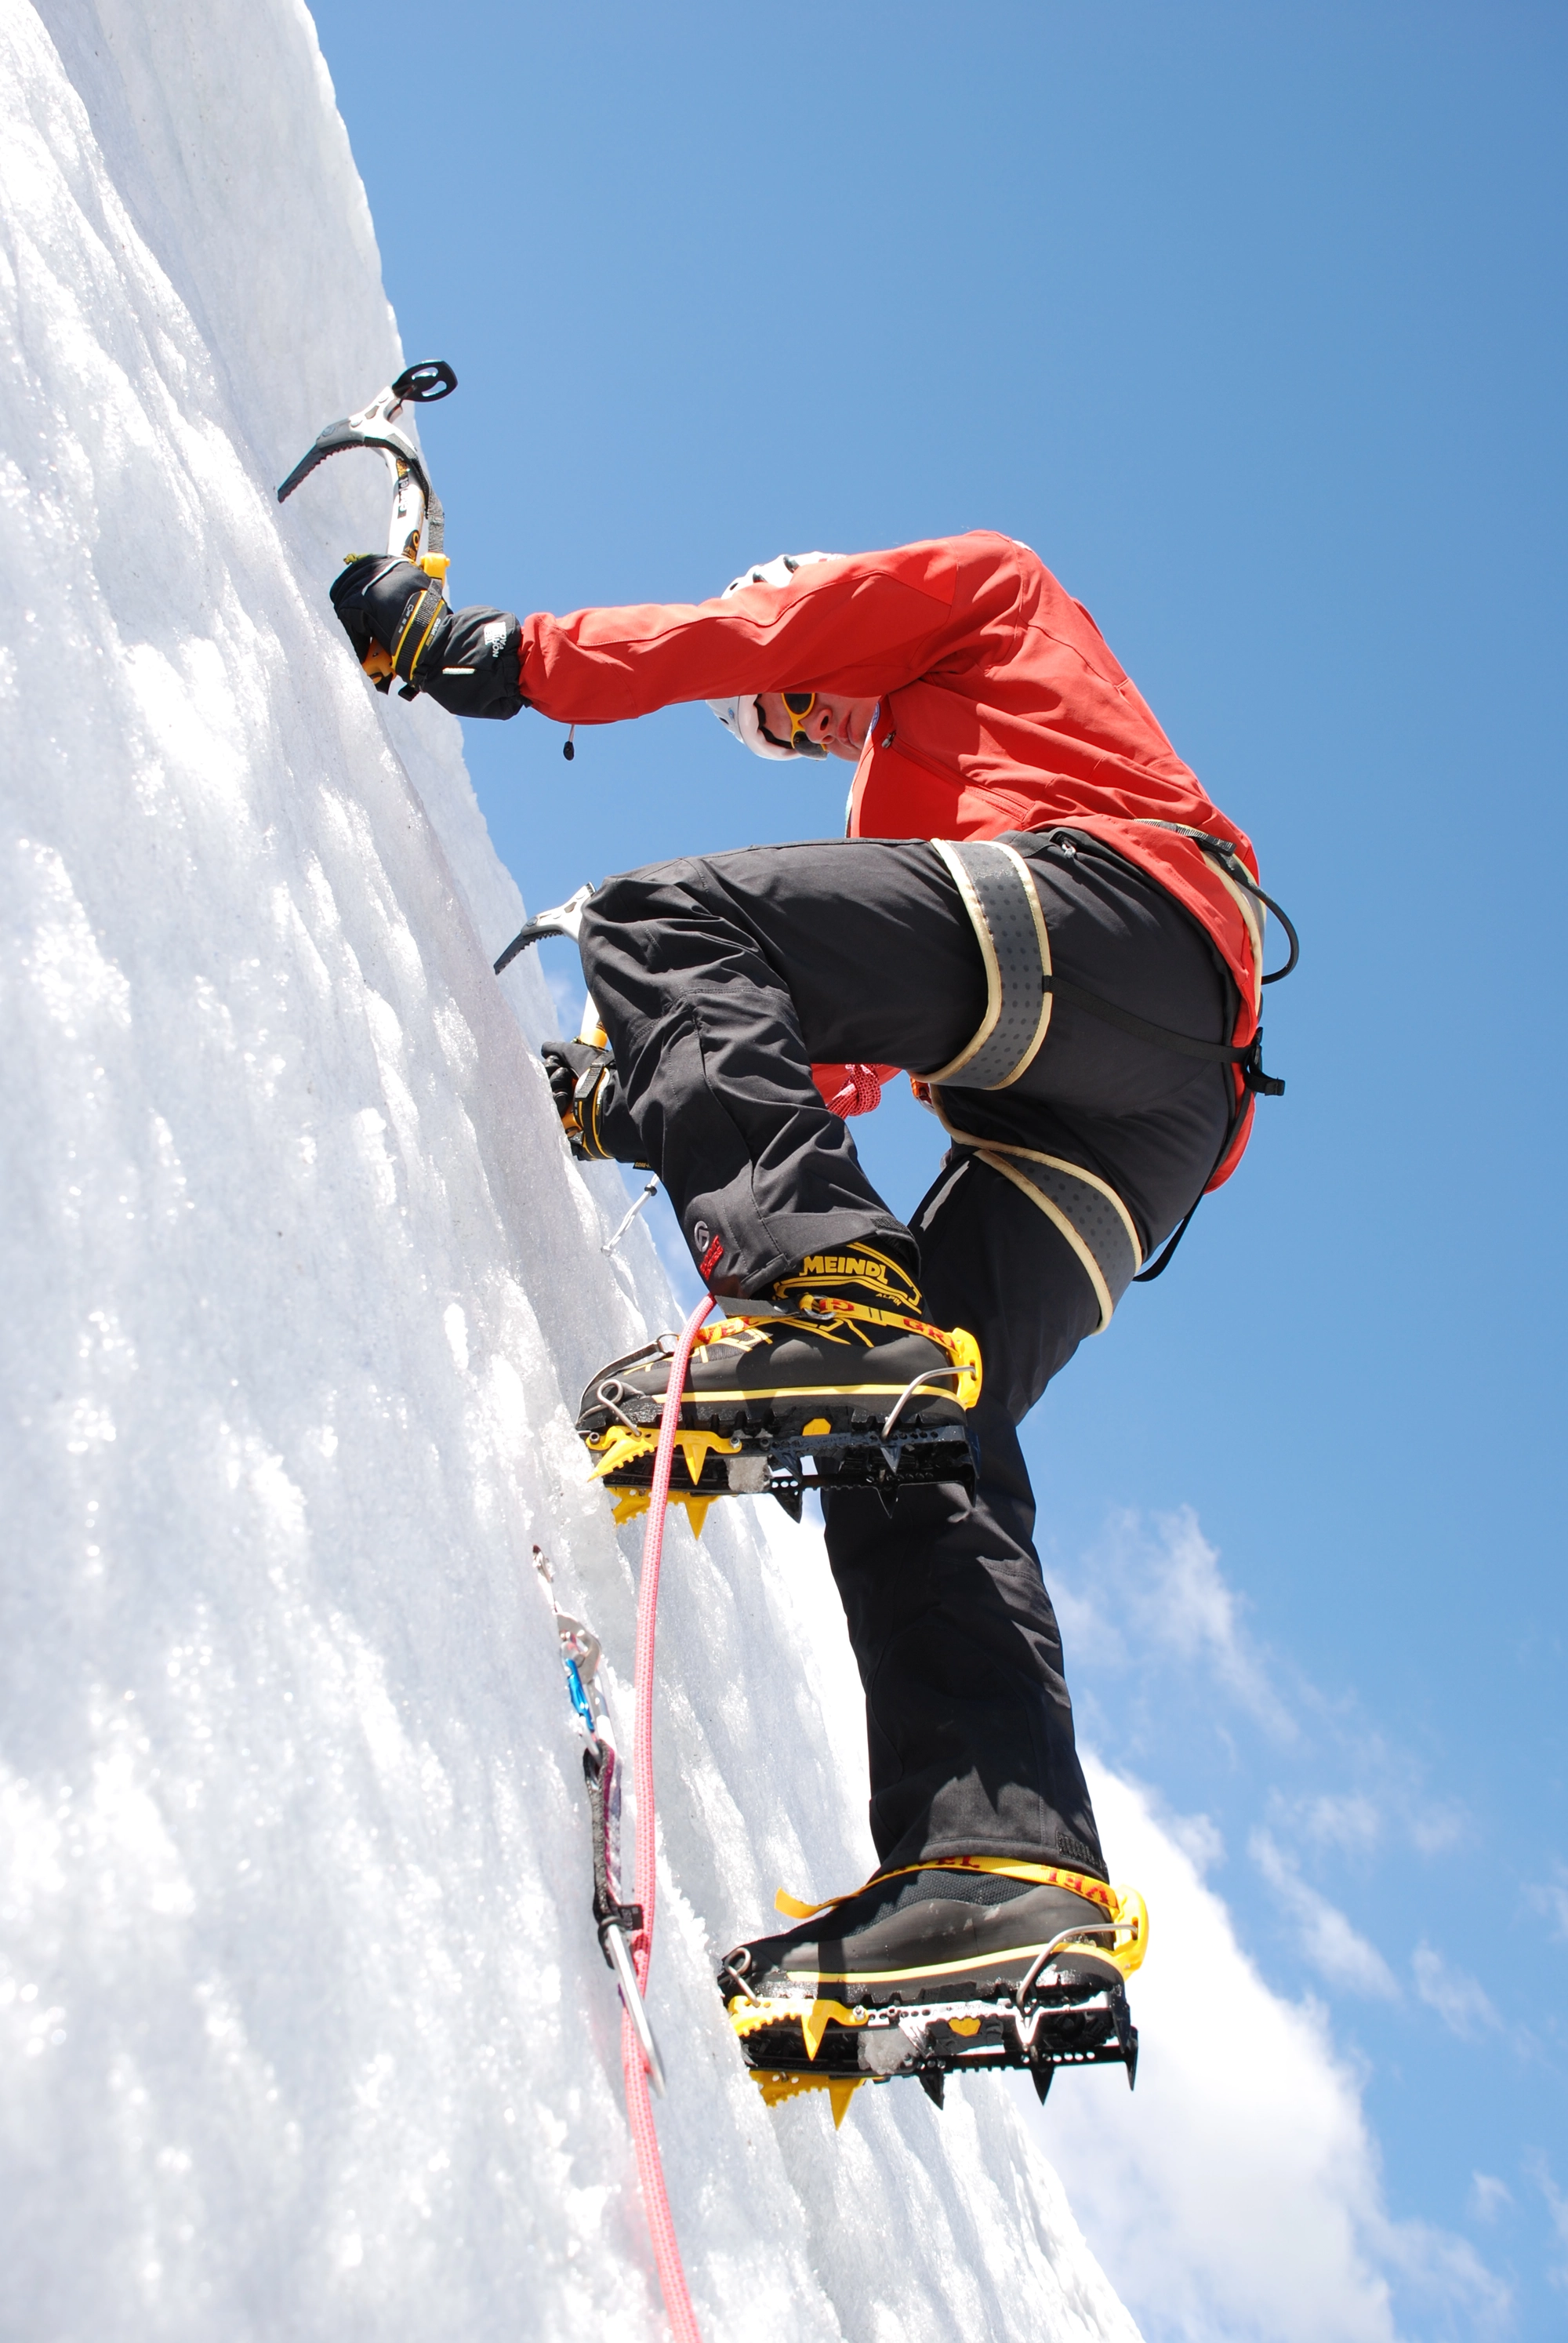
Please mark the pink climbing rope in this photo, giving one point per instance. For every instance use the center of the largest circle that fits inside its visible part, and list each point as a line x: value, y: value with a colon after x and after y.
x: 638, y: 2107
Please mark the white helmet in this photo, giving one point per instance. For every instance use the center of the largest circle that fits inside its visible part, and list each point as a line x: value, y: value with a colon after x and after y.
x: 740, y: 715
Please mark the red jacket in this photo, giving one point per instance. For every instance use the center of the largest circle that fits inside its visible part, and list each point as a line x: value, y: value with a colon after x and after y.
x: 1001, y: 708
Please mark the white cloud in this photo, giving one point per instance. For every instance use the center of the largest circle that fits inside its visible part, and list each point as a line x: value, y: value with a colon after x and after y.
x: 1445, y: 2269
x: 1437, y: 1825
x: 1163, y: 1590
x: 1336, y: 1950
x: 1488, y: 2195
x: 1459, y: 1999
x: 1551, y: 1898
x: 1350, y: 1824
x: 1199, y: 1840
x: 1557, y: 2207
x: 1236, y: 2195
x: 1150, y: 1602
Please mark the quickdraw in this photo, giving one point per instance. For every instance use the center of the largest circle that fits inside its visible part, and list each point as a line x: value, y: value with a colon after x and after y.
x: 618, y: 1923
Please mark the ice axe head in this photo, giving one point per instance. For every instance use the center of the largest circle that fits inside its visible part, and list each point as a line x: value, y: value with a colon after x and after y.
x: 418, y: 519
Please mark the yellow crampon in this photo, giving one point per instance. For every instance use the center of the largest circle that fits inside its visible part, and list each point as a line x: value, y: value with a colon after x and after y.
x: 1126, y: 1914
x: 630, y: 1505
x: 813, y: 2018
x: 620, y: 1447
x: 776, y: 2085
x: 776, y: 2088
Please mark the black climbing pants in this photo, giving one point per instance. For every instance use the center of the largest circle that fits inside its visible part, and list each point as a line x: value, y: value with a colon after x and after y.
x: 721, y: 981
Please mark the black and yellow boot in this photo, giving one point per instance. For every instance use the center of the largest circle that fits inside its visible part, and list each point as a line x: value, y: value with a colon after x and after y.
x: 838, y: 1371
x: 963, y: 1962
x: 964, y: 1929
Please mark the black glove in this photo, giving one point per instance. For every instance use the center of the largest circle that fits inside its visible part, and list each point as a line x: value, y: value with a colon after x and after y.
x: 588, y: 1097
x: 399, y: 625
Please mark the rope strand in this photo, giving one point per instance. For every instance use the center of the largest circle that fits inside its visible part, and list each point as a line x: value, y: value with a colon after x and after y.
x: 639, y: 2108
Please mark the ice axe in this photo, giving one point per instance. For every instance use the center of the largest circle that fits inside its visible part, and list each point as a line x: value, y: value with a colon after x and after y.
x: 565, y: 920
x: 416, y: 531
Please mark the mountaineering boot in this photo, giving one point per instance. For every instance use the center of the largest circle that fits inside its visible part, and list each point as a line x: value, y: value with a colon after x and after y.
x: 961, y: 1964
x: 839, y: 1345
x: 838, y: 1368
x: 944, y: 1931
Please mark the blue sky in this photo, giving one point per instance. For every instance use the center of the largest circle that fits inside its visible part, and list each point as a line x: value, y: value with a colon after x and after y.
x: 1251, y: 321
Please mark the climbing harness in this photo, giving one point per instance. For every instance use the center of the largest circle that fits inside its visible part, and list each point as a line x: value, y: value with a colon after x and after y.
x: 1003, y: 904
x: 1083, y: 1207
x: 1001, y: 898
x: 1221, y: 850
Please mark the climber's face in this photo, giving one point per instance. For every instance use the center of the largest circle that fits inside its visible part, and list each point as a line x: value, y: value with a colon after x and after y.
x: 815, y: 723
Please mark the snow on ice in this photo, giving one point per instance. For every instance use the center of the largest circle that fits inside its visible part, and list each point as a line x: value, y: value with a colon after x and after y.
x: 304, y: 2029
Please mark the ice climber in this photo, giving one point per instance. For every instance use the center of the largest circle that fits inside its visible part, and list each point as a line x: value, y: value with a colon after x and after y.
x: 1038, y: 914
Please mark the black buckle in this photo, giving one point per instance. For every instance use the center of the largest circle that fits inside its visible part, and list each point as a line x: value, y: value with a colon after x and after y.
x: 1262, y: 1084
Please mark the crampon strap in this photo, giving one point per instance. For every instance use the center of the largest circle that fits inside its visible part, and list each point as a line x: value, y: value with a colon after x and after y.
x: 814, y: 1311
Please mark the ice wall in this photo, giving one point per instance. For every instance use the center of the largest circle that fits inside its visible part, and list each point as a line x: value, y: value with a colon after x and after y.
x: 304, y: 2030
